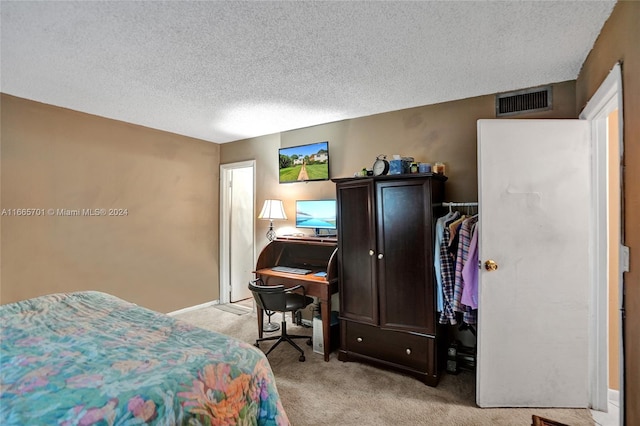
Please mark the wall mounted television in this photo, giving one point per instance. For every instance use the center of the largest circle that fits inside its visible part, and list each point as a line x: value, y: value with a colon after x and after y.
x: 304, y: 163
x: 319, y: 215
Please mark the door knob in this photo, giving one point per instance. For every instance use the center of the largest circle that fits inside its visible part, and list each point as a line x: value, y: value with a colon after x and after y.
x: 371, y: 252
x: 380, y: 256
x: 490, y: 265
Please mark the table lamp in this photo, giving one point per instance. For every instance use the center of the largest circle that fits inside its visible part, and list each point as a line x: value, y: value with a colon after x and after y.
x: 272, y: 209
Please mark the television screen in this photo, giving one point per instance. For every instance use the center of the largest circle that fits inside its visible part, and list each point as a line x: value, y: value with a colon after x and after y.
x: 304, y: 163
x: 316, y: 214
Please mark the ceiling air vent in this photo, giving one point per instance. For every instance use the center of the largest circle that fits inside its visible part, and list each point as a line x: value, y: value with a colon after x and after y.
x: 523, y: 101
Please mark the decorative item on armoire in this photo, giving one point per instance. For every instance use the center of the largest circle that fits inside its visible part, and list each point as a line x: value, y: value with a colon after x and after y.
x: 381, y: 165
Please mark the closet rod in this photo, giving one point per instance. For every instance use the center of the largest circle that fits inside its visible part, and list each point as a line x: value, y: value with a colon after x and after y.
x: 460, y: 204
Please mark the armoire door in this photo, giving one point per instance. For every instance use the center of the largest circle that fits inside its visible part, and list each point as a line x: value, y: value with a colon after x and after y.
x: 533, y: 315
x: 356, y: 251
x: 404, y: 255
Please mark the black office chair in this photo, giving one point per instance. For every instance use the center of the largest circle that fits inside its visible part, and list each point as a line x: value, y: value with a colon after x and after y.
x: 280, y: 299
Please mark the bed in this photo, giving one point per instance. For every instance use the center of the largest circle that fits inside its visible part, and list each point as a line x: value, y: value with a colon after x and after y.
x: 91, y: 358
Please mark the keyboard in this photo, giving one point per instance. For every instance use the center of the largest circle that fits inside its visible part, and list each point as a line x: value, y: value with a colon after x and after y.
x: 297, y: 271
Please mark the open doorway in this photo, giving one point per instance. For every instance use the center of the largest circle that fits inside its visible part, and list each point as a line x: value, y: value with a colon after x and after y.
x: 614, y: 331
x: 604, y: 111
x: 237, y: 240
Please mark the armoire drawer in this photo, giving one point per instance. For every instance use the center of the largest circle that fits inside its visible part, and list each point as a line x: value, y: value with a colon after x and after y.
x: 410, y: 350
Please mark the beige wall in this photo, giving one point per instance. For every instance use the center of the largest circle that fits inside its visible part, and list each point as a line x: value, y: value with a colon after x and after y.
x: 163, y: 254
x: 618, y: 41
x: 442, y: 132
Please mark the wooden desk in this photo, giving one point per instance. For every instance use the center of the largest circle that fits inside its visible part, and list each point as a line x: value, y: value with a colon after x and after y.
x: 316, y: 254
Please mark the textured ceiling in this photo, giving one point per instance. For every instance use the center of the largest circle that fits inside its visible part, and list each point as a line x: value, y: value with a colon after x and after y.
x: 223, y: 71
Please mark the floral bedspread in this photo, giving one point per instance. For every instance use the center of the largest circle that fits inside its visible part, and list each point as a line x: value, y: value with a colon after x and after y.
x: 90, y: 358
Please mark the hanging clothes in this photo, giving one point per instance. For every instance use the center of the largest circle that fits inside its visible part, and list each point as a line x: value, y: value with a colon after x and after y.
x: 455, y: 262
x: 454, y: 235
x: 462, y: 257
x: 447, y: 273
x: 437, y: 263
x: 470, y: 273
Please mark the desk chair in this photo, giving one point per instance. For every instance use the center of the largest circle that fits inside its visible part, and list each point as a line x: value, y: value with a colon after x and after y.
x: 280, y: 299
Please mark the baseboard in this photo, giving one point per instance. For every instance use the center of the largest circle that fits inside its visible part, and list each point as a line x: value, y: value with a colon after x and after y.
x: 614, y: 396
x: 193, y: 308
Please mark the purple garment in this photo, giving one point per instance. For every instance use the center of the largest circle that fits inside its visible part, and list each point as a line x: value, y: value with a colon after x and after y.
x: 464, y: 243
x: 470, y: 274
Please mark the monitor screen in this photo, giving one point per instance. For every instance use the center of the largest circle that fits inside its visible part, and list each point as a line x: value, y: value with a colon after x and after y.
x: 304, y: 163
x: 316, y: 214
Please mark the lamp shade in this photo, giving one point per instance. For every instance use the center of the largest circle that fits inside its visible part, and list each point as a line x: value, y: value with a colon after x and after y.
x: 272, y: 209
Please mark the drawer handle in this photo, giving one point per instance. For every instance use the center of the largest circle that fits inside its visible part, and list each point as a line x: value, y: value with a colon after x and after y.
x: 359, y: 340
x: 408, y: 351
x: 371, y: 252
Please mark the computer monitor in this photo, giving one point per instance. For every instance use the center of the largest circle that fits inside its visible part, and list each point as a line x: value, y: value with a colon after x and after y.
x: 319, y: 215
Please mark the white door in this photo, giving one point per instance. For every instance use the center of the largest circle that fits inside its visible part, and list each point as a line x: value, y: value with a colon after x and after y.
x: 533, y: 317
x: 242, y: 262
x: 237, y: 250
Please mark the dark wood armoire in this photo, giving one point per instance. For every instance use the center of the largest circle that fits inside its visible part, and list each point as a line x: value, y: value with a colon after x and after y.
x: 386, y: 273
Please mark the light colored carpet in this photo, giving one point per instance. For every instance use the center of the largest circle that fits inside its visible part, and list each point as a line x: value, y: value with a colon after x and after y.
x: 315, y: 392
x: 233, y: 308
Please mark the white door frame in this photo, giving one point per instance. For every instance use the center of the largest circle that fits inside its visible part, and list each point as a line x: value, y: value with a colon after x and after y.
x: 607, y: 98
x: 225, y: 220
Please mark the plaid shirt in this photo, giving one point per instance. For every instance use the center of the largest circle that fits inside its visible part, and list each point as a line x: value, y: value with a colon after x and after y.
x: 437, y: 264
x: 447, y: 272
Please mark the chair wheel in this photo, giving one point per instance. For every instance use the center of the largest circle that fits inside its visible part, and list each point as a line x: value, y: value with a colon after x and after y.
x: 301, y: 359
x: 256, y: 345
x: 309, y: 342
